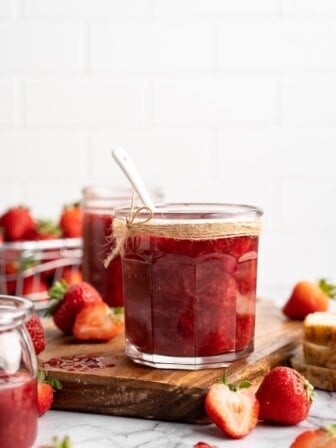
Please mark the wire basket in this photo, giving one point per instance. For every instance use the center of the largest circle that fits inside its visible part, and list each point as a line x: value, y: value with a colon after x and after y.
x: 29, y: 268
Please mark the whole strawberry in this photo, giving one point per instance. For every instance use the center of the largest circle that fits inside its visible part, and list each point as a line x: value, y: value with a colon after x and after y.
x: 69, y: 301
x: 234, y: 409
x: 45, y: 392
x: 284, y: 396
x: 316, y: 438
x: 309, y: 297
x: 16, y: 223
x: 36, y: 332
x: 71, y: 221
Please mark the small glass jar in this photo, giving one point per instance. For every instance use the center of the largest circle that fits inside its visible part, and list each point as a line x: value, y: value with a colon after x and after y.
x: 189, y: 278
x: 18, y: 375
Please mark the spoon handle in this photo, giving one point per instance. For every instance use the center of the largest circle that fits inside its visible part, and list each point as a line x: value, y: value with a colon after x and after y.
x: 131, y: 172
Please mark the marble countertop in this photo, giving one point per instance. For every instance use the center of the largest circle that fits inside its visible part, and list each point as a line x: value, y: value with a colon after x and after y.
x: 102, y: 431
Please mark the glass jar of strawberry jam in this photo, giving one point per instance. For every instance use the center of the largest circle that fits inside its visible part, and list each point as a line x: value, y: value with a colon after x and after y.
x: 189, y: 278
x: 98, y: 205
x: 18, y: 375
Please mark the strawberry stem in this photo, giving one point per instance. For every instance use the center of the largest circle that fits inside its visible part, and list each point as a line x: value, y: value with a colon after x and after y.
x: 235, y: 387
x: 328, y: 288
x: 56, y: 293
x: 331, y: 430
x: 54, y: 382
x: 310, y: 389
x: 65, y: 443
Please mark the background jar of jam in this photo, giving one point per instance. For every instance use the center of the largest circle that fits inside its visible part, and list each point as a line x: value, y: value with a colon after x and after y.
x: 18, y: 375
x: 189, y: 276
x: 98, y: 204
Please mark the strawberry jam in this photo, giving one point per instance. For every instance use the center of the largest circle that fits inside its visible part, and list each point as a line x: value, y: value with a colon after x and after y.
x: 97, y: 229
x: 190, y: 303
x: 18, y: 411
x: 98, y: 205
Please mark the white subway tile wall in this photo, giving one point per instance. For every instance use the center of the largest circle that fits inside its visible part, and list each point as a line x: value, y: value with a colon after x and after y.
x: 216, y: 100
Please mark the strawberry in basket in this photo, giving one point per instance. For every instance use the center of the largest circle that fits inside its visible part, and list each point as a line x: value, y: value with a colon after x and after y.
x: 17, y: 222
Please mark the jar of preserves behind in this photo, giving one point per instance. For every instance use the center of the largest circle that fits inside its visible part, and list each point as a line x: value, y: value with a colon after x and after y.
x: 18, y: 375
x: 98, y: 205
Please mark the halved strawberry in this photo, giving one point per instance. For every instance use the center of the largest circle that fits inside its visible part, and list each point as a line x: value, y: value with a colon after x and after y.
x: 97, y: 323
x: 234, y: 409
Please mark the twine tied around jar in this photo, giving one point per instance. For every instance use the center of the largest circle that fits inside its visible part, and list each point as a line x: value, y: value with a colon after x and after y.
x: 187, y: 229
x: 120, y: 230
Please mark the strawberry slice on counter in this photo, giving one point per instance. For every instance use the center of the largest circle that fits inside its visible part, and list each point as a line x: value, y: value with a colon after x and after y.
x: 45, y: 392
x: 36, y: 332
x: 316, y: 438
x: 309, y: 297
x: 234, y: 409
x: 16, y: 222
x: 284, y: 396
x: 68, y: 301
x: 71, y: 220
x: 97, y: 323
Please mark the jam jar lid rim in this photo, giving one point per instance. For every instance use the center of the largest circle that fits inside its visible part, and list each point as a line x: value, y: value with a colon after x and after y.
x: 200, y: 211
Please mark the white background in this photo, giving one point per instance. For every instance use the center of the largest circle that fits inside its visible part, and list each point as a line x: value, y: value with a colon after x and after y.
x: 216, y: 100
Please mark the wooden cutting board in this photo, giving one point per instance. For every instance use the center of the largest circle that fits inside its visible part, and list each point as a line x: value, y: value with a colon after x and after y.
x: 99, y: 378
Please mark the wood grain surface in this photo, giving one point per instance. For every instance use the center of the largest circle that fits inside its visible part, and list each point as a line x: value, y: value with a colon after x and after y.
x: 99, y: 378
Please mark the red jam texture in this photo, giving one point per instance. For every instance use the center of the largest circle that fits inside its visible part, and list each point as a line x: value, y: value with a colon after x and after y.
x: 190, y: 298
x: 18, y: 411
x: 107, y: 281
x: 79, y: 363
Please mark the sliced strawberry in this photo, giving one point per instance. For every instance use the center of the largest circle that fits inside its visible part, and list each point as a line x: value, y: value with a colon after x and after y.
x: 36, y: 332
x: 96, y: 323
x: 234, y: 409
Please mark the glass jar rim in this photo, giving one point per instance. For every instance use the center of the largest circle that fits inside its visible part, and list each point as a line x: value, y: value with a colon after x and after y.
x: 106, y: 192
x: 14, y: 311
x: 196, y: 211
